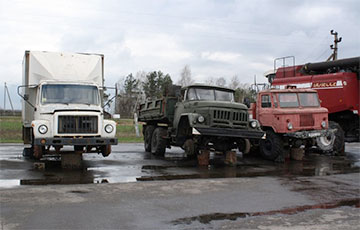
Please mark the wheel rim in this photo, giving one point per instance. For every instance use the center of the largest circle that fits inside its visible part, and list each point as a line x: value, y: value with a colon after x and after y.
x: 327, y: 140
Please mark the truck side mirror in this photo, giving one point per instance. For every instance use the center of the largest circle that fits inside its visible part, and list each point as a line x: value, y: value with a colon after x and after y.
x: 247, y: 102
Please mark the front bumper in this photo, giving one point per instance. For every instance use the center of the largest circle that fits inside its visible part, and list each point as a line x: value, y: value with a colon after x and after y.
x: 93, y: 141
x: 223, y: 132
x: 311, y: 134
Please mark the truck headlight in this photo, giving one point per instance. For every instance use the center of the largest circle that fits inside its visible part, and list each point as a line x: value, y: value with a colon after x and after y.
x: 201, y: 119
x: 109, y: 128
x: 253, y: 124
x: 43, y: 129
x: 289, y: 126
x: 323, y: 124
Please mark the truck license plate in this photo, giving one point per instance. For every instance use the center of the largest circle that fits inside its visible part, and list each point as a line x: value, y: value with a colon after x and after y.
x: 314, y: 134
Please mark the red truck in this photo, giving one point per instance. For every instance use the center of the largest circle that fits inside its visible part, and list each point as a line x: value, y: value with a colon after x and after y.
x: 337, y: 83
x: 291, y: 118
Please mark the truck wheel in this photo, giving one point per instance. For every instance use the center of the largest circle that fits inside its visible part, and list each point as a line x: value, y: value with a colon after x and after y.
x: 105, y: 150
x: 272, y: 146
x: 28, y: 153
x: 244, y: 146
x: 190, y: 148
x: 326, y: 143
x: 158, y: 143
x: 147, y: 137
x: 339, y: 142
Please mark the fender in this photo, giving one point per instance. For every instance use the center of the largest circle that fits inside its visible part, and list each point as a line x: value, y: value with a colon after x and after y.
x: 190, y: 119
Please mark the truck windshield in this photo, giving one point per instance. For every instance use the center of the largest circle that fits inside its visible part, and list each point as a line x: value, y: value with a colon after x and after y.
x: 309, y: 99
x: 69, y: 94
x: 209, y: 94
x: 288, y: 100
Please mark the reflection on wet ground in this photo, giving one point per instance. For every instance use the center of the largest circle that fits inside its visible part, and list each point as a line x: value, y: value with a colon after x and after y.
x: 129, y: 163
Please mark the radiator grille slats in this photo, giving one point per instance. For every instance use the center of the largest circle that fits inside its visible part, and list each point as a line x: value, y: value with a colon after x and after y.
x: 306, y: 120
x: 77, y: 124
x: 228, y: 118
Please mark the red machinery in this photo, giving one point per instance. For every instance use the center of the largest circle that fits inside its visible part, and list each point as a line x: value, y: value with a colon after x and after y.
x: 337, y: 83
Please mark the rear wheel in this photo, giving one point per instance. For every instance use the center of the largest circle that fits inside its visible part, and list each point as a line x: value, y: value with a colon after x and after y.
x: 158, y: 143
x: 147, y: 137
x: 272, y: 147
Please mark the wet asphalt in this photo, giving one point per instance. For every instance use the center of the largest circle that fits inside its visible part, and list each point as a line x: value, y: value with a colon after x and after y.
x: 132, y: 189
x: 130, y: 163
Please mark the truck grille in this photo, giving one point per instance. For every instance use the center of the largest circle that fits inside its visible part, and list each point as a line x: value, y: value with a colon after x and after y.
x: 306, y: 120
x: 78, y: 124
x: 229, y: 119
x: 223, y: 115
x: 239, y: 116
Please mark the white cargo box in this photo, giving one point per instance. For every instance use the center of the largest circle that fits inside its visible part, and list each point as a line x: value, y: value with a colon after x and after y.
x: 48, y: 66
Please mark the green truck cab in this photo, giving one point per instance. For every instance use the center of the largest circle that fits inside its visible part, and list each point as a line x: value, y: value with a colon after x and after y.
x: 197, y: 117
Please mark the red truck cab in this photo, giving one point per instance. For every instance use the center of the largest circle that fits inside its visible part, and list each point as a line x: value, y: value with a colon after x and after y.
x: 291, y: 117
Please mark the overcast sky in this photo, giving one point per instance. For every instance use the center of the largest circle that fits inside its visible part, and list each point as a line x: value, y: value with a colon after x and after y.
x: 216, y: 38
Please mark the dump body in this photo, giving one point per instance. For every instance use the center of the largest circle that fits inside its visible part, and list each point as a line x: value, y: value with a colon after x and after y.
x: 62, y: 103
x: 204, y: 116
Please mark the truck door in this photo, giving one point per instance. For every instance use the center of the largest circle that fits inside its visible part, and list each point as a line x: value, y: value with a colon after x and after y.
x: 265, y: 110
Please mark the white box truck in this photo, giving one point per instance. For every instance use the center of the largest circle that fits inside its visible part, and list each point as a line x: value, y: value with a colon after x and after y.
x: 62, y: 104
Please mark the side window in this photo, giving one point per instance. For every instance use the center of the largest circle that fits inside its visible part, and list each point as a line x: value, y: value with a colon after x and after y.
x: 275, y: 101
x: 191, y: 95
x: 265, y: 101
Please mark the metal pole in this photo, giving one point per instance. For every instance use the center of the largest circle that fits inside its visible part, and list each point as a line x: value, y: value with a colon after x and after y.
x: 4, y: 97
x: 12, y: 107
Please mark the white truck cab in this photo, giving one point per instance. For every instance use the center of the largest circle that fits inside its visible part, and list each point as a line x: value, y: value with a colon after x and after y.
x: 62, y: 103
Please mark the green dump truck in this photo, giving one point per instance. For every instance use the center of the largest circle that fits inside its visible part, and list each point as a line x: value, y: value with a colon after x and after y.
x: 197, y: 118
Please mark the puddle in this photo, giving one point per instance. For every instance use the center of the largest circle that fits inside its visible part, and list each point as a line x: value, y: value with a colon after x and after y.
x: 207, y: 218
x: 9, y: 183
x: 131, y: 166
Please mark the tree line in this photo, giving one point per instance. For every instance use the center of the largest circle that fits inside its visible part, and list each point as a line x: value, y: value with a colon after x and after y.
x: 155, y: 84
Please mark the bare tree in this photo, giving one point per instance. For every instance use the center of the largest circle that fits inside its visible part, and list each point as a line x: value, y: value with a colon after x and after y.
x: 185, y: 77
x: 234, y: 82
x: 210, y: 81
x: 220, y: 82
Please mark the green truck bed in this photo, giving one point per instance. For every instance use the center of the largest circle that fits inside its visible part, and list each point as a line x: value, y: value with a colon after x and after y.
x: 158, y: 110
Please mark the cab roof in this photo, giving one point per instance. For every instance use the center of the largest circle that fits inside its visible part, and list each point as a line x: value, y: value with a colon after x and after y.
x: 295, y: 90
x: 207, y: 86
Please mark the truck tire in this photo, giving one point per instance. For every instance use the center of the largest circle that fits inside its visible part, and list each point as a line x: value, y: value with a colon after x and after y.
x: 191, y: 149
x: 272, y: 147
x: 38, y: 151
x: 147, y: 137
x: 326, y: 143
x: 244, y: 146
x: 158, y: 143
x: 339, y: 142
x: 28, y: 153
